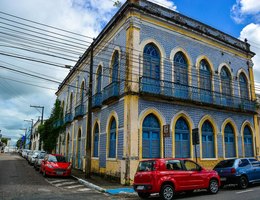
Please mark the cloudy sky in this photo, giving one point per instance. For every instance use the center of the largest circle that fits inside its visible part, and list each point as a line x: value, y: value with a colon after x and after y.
x: 18, y: 90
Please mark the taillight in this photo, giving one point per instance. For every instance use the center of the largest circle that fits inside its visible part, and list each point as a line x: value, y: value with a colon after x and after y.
x: 233, y: 170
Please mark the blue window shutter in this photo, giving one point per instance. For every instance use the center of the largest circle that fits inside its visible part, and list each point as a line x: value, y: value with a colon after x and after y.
x: 151, y: 68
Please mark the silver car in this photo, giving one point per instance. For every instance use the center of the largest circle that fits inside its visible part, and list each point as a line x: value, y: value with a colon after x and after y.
x: 38, y: 160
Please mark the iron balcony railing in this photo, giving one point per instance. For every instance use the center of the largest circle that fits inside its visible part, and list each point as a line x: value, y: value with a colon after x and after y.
x: 68, y: 118
x: 183, y: 92
x: 111, y: 92
x: 58, y: 123
x: 79, y: 111
x: 97, y: 100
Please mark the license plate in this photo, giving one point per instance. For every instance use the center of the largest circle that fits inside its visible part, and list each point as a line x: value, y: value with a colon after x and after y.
x: 140, y: 187
x: 223, y: 179
x: 59, y: 173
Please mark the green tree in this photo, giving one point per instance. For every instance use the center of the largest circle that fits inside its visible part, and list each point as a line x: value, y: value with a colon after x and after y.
x: 19, y: 143
x: 4, y: 140
x: 49, y: 132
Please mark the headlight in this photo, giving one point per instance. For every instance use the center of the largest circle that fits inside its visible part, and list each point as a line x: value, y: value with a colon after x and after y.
x: 50, y: 166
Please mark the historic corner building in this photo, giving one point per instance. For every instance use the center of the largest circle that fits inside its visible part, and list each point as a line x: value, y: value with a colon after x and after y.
x: 155, y: 67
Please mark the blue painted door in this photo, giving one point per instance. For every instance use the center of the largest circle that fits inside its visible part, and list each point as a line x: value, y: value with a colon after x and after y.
x: 79, y: 147
x: 112, y: 139
x: 208, y: 145
x: 248, y: 142
x: 230, y: 150
x: 182, y: 139
x: 151, y: 137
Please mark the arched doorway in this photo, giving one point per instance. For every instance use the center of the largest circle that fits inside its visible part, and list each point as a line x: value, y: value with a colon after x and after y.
x: 208, y: 143
x: 67, y: 146
x: 79, y: 149
x: 248, y: 142
x: 182, y: 139
x: 151, y: 137
x: 230, y: 147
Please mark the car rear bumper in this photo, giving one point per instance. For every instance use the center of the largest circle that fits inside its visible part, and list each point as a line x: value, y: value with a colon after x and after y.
x: 225, y: 180
x: 143, y: 187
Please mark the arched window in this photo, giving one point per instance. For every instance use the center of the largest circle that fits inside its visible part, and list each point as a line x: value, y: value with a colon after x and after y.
x: 151, y: 137
x: 112, y: 139
x: 151, y: 68
x: 82, y: 88
x: 96, y: 139
x: 71, y: 103
x: 205, y: 82
x: 98, y: 80
x: 208, y: 145
x: 248, y: 142
x: 182, y: 139
x: 115, y: 65
x: 243, y: 86
x: 230, y: 148
x: 226, y: 86
x: 180, y: 75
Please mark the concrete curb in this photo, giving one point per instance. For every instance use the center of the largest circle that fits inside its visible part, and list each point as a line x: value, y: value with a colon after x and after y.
x: 98, y: 188
x: 90, y: 185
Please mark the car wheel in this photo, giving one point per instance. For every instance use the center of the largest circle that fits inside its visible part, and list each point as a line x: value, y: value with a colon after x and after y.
x: 243, y: 182
x: 213, y: 187
x: 167, y: 192
x: 143, y: 195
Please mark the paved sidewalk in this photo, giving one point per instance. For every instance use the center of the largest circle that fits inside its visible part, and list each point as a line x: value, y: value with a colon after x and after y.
x: 101, y: 184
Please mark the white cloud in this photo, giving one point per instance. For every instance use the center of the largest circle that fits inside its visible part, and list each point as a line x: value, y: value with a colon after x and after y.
x: 84, y: 17
x: 252, y: 33
x: 165, y: 3
x: 245, y: 8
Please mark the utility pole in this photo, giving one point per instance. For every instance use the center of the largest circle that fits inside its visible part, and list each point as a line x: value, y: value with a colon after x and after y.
x: 42, y: 107
x: 89, y: 123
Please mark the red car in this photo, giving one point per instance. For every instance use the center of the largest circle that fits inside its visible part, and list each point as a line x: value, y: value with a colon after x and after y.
x: 169, y: 176
x: 55, y: 165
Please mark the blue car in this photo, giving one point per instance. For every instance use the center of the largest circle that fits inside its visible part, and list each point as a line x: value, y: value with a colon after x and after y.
x: 240, y: 171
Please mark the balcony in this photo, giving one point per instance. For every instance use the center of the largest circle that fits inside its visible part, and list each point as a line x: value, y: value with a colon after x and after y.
x: 111, y: 93
x: 97, y: 101
x: 58, y: 123
x: 176, y: 91
x: 79, y: 111
x: 68, y: 118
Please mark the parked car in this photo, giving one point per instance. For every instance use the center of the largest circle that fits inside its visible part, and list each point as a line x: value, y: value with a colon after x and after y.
x: 24, y: 152
x: 38, y: 160
x: 240, y: 171
x: 55, y: 165
x: 31, y: 159
x: 169, y: 176
x: 27, y: 154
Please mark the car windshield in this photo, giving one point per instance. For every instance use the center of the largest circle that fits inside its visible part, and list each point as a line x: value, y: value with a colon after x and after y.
x: 41, y: 156
x: 56, y: 158
x: 146, y: 166
x: 225, y: 163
